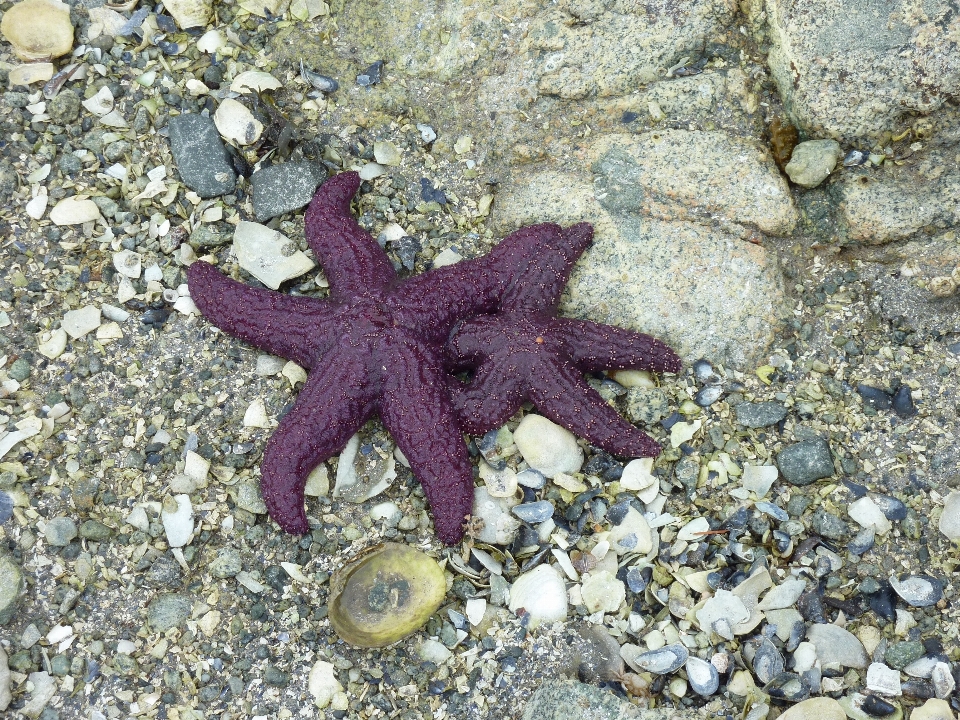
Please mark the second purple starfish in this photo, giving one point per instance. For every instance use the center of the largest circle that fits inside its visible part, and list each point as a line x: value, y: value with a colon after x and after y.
x: 383, y: 346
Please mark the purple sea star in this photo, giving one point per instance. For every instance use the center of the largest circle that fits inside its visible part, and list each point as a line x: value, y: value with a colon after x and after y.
x: 378, y: 346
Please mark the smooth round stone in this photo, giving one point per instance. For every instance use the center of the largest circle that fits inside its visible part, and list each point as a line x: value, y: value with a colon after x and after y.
x: 168, y: 611
x: 950, y: 517
x: 901, y: 654
x: 812, y: 161
x: 819, y: 708
x: 60, y: 531
x: 918, y: 590
x: 707, y: 396
x: 664, y: 661
x: 542, y: 593
x: 547, y: 447
x: 93, y: 530
x: 703, y: 676
x: 6, y: 507
x: 704, y: 372
x: 535, y: 512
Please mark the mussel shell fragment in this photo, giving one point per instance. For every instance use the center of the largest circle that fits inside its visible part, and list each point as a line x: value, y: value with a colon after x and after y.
x: 385, y: 594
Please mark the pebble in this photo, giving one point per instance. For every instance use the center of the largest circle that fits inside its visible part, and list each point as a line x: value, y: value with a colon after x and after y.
x: 949, y: 523
x: 542, y: 593
x: 43, y: 688
x: 427, y: 133
x: 874, y: 397
x: 5, y: 681
x: 78, y: 323
x: 917, y: 590
x: 783, y: 595
x: 721, y: 613
x: 38, y: 29
x: 533, y: 479
x: 828, y: 525
x: 74, y: 211
x: 819, y: 708
x: 547, y: 447
x: 200, y: 155
x: 602, y: 592
x: 11, y: 583
x: 285, y: 187
x: 758, y: 415
x: 903, y: 402
x: 60, y: 531
x: 862, y: 541
x: 835, y: 645
x: 433, y: 651
x: 168, y: 611
x: 227, y: 563
x: 703, y: 676
x: 812, y: 162
x: 268, y: 255
x: 535, y: 512
x: 500, y: 482
x: 805, y: 462
x: 177, y: 519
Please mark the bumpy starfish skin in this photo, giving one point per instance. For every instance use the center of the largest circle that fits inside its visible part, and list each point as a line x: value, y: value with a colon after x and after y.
x: 524, y: 352
x: 383, y: 346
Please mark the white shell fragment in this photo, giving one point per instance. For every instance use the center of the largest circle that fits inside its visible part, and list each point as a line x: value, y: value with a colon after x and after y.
x: 128, y: 263
x: 101, y: 103
x: 236, y: 123
x: 30, y: 73
x: 268, y: 255
x: 211, y: 41
x: 866, y: 512
x: 256, y: 415
x: 638, y: 476
x: 78, y: 323
x: 882, y: 679
x: 601, y: 591
x: 254, y: 81
x: 74, y: 211
x: 37, y: 206
x: 542, y: 594
x: 177, y: 518
x: 950, y: 517
x: 190, y: 13
x: 53, y: 346
x: 323, y: 683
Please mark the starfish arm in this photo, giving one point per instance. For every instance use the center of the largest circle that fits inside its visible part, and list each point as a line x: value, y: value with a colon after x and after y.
x: 493, y: 395
x: 559, y: 392
x: 415, y: 408
x: 333, y: 405
x: 536, y: 263
x: 594, y: 347
x: 352, y: 260
x: 297, y: 328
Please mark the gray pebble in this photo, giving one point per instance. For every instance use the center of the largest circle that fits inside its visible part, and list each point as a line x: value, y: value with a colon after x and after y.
x: 11, y: 582
x: 60, y: 531
x: 901, y: 654
x: 64, y: 108
x: 168, y: 611
x: 94, y: 530
x: 762, y: 414
x: 284, y: 188
x: 202, y: 160
x: 20, y: 370
x: 226, y: 564
x: 804, y: 462
x: 828, y: 525
x: 534, y: 512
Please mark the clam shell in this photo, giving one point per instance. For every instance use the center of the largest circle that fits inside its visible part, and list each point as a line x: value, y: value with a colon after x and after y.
x: 385, y: 594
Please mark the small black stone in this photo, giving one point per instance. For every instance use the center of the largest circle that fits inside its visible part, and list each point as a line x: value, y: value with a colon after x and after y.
x: 903, y: 402
x: 883, y: 602
x: 875, y: 397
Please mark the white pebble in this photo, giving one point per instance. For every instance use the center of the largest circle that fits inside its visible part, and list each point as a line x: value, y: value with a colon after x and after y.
x: 638, y: 477
x: 153, y: 273
x: 547, y: 447
x: 138, y: 519
x: 54, y: 345
x: 323, y: 684
x: 950, y: 517
x: 434, y: 651
x: 499, y: 524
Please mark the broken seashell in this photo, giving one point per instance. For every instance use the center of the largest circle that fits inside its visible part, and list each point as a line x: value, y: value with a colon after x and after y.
x: 38, y: 29
x: 255, y: 80
x: 236, y: 123
x: 190, y: 13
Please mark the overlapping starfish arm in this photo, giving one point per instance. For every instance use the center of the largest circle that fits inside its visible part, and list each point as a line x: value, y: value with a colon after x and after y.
x: 537, y: 276
x: 296, y: 328
x: 558, y: 390
x: 335, y: 402
x: 353, y: 262
x: 594, y: 347
x: 415, y: 407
